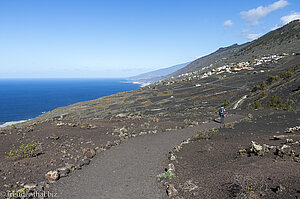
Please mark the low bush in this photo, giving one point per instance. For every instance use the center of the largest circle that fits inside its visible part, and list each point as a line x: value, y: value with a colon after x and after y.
x: 24, y: 150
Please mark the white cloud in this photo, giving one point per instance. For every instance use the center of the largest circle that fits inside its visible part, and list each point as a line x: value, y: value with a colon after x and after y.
x: 255, y: 14
x: 252, y: 36
x: 228, y: 23
x: 275, y: 27
x: 287, y: 19
x: 249, y: 35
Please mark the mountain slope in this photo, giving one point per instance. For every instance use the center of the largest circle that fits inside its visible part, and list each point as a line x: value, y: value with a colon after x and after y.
x: 283, y: 40
x: 153, y: 76
x: 210, y: 60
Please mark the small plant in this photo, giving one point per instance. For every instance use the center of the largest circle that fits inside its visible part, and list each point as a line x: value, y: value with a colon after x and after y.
x: 263, y: 85
x: 230, y: 125
x: 203, y: 135
x: 250, y: 188
x: 166, y: 175
x: 272, y: 78
x: 226, y: 104
x: 212, y: 108
x: 214, y: 130
x: 289, y: 73
x: 24, y: 150
x: 256, y: 105
x: 256, y: 88
x: 263, y: 94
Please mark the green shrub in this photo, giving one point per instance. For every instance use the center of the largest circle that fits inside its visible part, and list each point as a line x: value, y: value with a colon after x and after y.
x: 256, y: 88
x: 166, y: 175
x: 297, y: 67
x: 226, y: 104
x: 272, y: 78
x: 290, y: 101
x: 289, y: 73
x: 24, y: 150
x: 212, y: 108
x: 263, y: 94
x: 256, y: 105
x: 263, y: 85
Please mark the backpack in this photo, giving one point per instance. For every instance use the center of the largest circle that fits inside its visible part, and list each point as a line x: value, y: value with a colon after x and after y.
x: 222, y: 111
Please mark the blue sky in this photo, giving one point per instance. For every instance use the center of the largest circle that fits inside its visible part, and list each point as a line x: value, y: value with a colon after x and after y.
x: 118, y: 38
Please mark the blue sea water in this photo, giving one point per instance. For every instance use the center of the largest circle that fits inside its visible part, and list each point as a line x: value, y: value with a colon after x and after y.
x: 22, y: 99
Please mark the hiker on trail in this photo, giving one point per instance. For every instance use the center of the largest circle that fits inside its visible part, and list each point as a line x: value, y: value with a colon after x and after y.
x: 222, y: 113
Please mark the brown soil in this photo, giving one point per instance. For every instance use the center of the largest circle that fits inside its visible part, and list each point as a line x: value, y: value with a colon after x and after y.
x: 67, y: 149
x: 218, y: 170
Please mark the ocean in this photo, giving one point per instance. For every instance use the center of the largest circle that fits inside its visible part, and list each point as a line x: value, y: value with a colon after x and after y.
x: 23, y: 99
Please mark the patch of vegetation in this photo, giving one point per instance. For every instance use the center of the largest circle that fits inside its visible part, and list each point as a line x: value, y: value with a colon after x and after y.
x: 256, y: 88
x: 263, y: 94
x: 272, y: 78
x: 165, y: 93
x: 166, y: 175
x: 24, y: 150
x: 262, y: 86
x: 230, y: 125
x: 212, y: 108
x: 226, y: 104
x: 256, y: 105
x: 289, y: 73
x: 276, y: 103
x: 214, y: 130
x: 246, y: 119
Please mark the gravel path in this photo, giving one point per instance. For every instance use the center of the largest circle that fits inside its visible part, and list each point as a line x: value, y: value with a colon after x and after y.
x: 128, y: 170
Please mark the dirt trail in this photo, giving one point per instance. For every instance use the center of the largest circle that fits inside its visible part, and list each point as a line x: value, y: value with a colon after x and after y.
x: 128, y: 170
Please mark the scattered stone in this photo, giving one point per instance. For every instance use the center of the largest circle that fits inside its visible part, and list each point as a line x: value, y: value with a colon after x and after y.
x: 177, y: 148
x: 250, y: 116
x: 256, y: 148
x: 90, y: 126
x: 189, y: 186
x: 30, y: 186
x: 63, y: 172
x: 47, y: 186
x: 86, y: 161
x: 171, y: 191
x: 54, y: 137
x: 109, y: 143
x: 90, y: 153
x: 293, y: 129
x: 70, y: 166
x: 171, y: 168
x: 117, y: 142
x: 284, y: 150
x: 122, y: 115
x: 52, y: 176
x: 289, y: 140
x: 277, y: 189
x: 279, y: 137
x: 172, y: 157
x: 59, y: 124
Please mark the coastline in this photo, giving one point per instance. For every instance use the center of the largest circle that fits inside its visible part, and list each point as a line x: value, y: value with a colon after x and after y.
x: 90, y: 89
x: 142, y: 84
x: 6, y: 124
